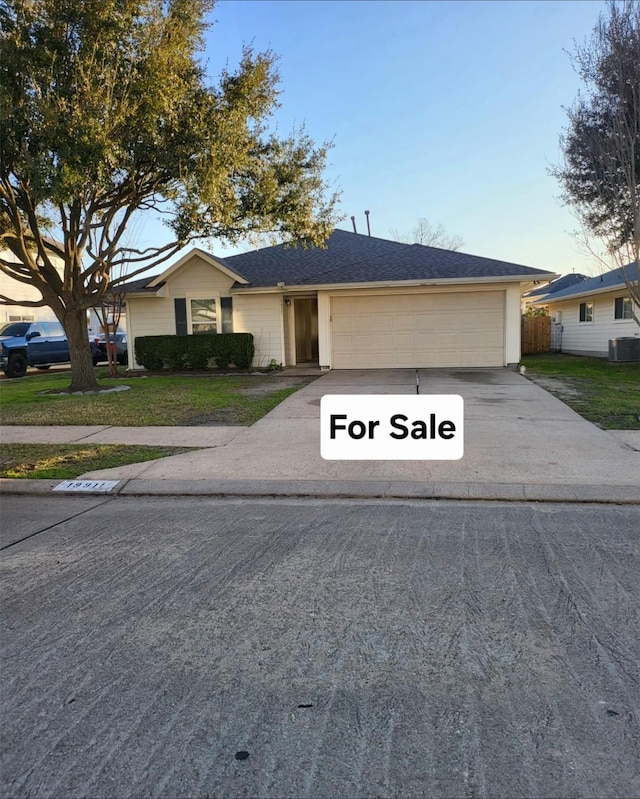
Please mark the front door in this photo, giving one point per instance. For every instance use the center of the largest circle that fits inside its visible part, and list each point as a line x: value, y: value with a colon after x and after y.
x: 306, y: 321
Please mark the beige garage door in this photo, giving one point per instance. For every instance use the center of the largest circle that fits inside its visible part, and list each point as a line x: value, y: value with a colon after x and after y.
x: 418, y: 330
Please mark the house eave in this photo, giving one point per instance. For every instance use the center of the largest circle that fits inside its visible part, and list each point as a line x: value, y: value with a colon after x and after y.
x: 391, y: 284
x: 136, y: 295
x: 551, y: 299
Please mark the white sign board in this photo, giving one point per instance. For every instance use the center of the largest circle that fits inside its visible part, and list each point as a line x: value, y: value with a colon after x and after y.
x: 400, y: 427
x: 94, y: 486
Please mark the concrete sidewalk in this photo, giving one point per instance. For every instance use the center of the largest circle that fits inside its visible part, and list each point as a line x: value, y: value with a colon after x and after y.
x: 520, y: 443
x: 198, y: 437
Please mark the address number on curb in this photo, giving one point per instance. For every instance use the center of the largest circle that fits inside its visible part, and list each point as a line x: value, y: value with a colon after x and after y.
x: 101, y: 486
x: 399, y: 427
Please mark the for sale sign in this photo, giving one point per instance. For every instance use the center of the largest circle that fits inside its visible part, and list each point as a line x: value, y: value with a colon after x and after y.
x: 392, y: 427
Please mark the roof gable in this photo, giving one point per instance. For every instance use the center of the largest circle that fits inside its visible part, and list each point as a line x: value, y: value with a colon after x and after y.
x: 217, y: 263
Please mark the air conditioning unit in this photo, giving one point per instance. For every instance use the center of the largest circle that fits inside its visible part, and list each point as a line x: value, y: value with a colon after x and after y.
x: 625, y: 349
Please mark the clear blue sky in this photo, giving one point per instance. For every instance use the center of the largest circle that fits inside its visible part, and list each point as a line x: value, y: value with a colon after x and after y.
x: 445, y: 110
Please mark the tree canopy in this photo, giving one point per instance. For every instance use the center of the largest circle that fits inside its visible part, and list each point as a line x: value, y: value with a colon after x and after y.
x: 106, y: 114
x: 600, y: 176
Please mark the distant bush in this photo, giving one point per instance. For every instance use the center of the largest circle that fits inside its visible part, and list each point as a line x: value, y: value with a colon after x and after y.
x: 195, y: 352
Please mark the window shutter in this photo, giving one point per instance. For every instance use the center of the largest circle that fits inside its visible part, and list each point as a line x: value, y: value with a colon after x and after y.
x: 180, y: 305
x: 226, y: 308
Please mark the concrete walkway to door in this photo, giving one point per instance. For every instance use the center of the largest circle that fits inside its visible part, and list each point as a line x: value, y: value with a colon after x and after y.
x: 520, y: 442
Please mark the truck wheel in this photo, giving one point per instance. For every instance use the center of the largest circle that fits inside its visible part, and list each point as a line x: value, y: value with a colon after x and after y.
x: 17, y: 366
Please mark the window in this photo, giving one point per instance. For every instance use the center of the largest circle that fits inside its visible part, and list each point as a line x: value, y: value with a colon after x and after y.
x: 15, y: 329
x: 586, y: 312
x: 622, y: 308
x: 203, y: 316
x: 54, y: 329
x: 21, y: 318
x: 38, y: 330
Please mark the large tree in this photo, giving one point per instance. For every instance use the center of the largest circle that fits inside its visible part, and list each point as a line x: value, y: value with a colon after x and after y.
x: 600, y: 176
x: 106, y: 114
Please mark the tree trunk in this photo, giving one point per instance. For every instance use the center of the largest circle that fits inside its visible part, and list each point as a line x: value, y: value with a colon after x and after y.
x: 83, y: 377
x: 112, y: 356
x: 110, y: 338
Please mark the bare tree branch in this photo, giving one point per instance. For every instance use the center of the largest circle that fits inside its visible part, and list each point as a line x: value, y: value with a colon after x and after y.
x: 600, y: 175
x: 429, y: 235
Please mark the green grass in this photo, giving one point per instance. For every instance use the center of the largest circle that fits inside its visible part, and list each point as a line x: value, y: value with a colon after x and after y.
x: 605, y: 393
x: 67, y: 461
x: 153, y: 400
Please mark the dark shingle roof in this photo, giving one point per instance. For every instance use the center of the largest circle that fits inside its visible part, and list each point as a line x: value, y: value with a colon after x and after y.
x: 609, y: 280
x: 297, y: 265
x: 356, y: 258
x: 135, y: 286
x: 559, y: 284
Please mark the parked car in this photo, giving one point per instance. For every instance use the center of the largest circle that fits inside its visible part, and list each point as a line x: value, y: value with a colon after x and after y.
x: 38, y: 344
x: 120, y: 339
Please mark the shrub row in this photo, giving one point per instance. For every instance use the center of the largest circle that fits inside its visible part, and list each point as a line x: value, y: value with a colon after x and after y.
x: 195, y: 352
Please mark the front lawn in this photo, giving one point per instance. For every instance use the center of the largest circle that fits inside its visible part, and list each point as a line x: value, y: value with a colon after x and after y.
x: 68, y: 461
x: 605, y: 393
x: 151, y: 400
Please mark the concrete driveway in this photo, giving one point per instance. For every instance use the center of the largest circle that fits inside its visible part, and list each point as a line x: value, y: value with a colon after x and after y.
x: 515, y: 434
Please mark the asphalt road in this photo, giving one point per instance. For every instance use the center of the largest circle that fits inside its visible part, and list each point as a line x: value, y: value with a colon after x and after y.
x: 218, y: 648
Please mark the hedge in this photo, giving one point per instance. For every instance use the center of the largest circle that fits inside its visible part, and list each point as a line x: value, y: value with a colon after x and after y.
x: 195, y: 352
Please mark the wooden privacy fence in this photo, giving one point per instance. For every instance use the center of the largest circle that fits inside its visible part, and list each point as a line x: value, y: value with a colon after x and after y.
x: 536, y: 334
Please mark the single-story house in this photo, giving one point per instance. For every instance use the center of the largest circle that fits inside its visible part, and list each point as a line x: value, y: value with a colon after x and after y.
x: 360, y: 302
x: 593, y: 311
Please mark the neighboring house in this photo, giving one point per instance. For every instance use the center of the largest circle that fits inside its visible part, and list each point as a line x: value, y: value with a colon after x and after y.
x: 358, y: 303
x: 593, y: 311
x: 559, y: 284
x: 9, y: 287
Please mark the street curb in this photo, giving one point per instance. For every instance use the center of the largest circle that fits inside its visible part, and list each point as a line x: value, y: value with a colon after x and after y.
x: 326, y: 489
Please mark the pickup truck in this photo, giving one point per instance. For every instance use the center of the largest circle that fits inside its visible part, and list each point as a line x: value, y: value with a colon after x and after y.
x: 38, y: 344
